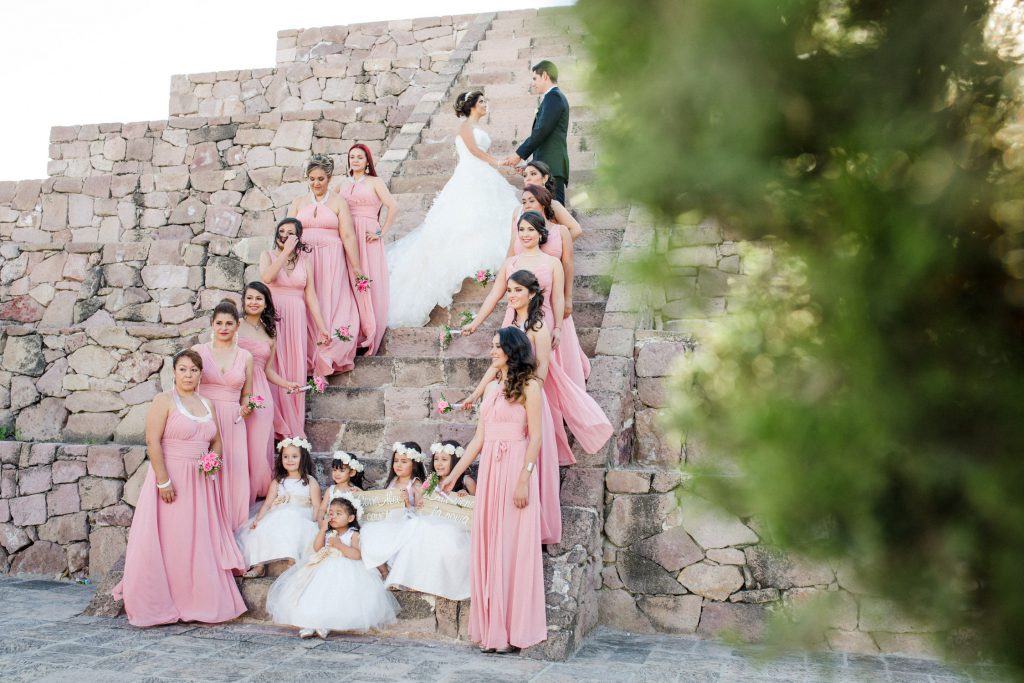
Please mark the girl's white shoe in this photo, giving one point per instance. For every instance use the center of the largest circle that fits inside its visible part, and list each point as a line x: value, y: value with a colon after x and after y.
x: 307, y: 633
x: 323, y: 633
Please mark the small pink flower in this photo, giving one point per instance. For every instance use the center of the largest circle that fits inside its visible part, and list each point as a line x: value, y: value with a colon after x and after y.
x: 317, y: 385
x: 363, y: 283
x: 484, y: 276
x: 210, y: 463
x: 443, y: 406
x: 343, y: 333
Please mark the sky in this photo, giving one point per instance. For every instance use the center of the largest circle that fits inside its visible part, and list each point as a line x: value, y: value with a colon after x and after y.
x: 68, y: 62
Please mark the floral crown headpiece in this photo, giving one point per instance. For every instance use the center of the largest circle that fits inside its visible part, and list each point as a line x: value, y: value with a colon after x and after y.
x: 400, y: 448
x: 349, y: 460
x: 457, y: 451
x: 294, y: 441
x: 355, y: 503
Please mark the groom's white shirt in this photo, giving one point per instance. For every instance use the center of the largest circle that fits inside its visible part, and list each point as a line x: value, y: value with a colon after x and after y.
x: 548, y: 90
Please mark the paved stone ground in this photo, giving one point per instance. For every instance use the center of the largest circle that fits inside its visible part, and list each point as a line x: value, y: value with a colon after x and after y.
x: 42, y: 638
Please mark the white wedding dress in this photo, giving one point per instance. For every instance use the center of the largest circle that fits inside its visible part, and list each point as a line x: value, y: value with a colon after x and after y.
x: 467, y: 229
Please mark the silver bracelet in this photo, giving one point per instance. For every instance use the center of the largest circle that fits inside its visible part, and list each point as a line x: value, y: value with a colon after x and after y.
x: 165, y: 485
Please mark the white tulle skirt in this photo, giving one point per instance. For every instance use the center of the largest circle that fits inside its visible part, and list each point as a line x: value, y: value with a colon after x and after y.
x: 287, y: 531
x: 435, y: 560
x: 380, y: 542
x: 333, y: 593
x: 466, y: 229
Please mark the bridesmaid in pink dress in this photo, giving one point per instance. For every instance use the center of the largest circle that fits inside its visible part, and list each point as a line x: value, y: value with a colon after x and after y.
x: 227, y: 383
x: 365, y: 194
x: 559, y: 244
x: 288, y: 271
x: 257, y: 335
x: 181, y: 552
x: 328, y: 231
x: 507, y: 574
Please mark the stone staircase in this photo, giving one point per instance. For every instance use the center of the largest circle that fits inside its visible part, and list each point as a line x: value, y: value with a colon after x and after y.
x: 391, y: 397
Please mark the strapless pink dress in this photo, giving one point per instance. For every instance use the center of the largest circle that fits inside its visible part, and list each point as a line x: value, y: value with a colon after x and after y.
x: 259, y: 426
x: 506, y: 580
x: 181, y: 556
x: 365, y: 205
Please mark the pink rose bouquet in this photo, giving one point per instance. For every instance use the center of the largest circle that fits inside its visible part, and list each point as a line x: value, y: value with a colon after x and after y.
x: 210, y: 464
x: 317, y: 385
x: 484, y: 277
x: 363, y: 283
x: 343, y: 333
x: 444, y: 406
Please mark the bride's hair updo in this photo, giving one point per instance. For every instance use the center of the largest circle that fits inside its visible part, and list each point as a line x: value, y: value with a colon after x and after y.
x: 321, y: 161
x: 543, y: 198
x: 535, y: 311
x: 465, y: 102
x: 537, y: 222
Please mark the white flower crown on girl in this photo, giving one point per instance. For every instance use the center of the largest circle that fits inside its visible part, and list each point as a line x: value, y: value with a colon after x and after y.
x: 355, y: 503
x: 400, y: 449
x: 294, y: 441
x: 349, y: 460
x: 457, y: 451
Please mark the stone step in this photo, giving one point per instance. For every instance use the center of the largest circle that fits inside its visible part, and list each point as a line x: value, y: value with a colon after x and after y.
x: 424, y: 342
x: 374, y: 436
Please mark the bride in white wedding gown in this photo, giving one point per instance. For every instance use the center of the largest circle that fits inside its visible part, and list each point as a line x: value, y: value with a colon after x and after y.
x: 466, y: 229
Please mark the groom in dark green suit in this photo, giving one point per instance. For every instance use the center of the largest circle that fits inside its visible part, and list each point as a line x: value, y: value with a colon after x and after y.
x: 547, y: 141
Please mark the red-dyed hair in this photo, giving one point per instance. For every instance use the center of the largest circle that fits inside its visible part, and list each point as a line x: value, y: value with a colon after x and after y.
x: 370, y: 170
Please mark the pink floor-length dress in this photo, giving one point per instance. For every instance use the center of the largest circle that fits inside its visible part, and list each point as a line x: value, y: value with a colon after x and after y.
x: 259, y: 426
x: 180, y: 556
x: 334, y: 290
x: 569, y: 352
x: 288, y: 290
x: 507, y: 574
x: 224, y: 390
x: 567, y: 401
x: 365, y: 205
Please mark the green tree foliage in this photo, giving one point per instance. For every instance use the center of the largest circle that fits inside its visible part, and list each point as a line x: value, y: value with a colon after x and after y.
x: 870, y: 380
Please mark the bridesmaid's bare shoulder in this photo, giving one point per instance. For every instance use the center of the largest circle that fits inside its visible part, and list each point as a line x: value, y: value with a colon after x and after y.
x: 162, y: 401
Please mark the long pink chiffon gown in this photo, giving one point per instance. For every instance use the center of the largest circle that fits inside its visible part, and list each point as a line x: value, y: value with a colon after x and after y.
x: 364, y: 204
x: 569, y: 352
x: 288, y: 290
x: 567, y: 400
x: 224, y: 390
x: 259, y: 426
x: 180, y: 556
x: 506, y: 580
x: 334, y: 290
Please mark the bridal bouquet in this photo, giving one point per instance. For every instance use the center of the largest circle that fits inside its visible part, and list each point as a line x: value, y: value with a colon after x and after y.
x: 484, y: 276
x: 363, y: 283
x: 343, y: 333
x: 210, y: 464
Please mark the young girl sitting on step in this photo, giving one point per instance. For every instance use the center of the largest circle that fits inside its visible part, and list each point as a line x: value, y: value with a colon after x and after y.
x: 333, y: 590
x: 286, y: 524
x: 382, y: 540
x: 445, y: 456
x: 347, y: 475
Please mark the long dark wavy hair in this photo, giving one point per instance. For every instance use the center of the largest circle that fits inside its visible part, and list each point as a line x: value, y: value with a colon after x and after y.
x: 300, y: 245
x: 545, y: 172
x: 305, y: 466
x: 537, y: 222
x: 418, y: 471
x: 521, y: 364
x: 535, y: 312
x: 349, y: 508
x: 269, y: 316
x: 543, y: 197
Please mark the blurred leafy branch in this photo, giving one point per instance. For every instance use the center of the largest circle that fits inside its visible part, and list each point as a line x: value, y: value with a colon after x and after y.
x: 869, y: 379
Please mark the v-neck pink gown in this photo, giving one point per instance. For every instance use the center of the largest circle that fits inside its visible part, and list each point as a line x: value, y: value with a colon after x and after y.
x: 259, y: 426
x: 569, y: 352
x: 181, y: 556
x: 364, y: 204
x: 334, y: 290
x: 567, y: 401
x: 224, y: 390
x: 506, y: 580
x: 290, y: 353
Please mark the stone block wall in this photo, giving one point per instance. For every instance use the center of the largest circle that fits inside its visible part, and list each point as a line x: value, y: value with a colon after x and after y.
x: 65, y: 509
x: 385, y: 64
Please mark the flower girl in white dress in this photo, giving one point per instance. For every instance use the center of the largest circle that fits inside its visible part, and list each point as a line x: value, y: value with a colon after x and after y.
x: 425, y: 554
x: 347, y: 475
x: 286, y: 524
x: 333, y: 590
